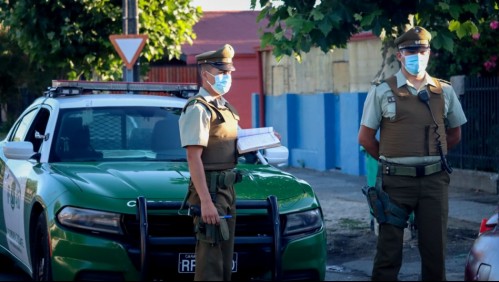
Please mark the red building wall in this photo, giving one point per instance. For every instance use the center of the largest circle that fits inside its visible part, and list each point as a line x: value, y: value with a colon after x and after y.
x: 216, y: 28
x: 245, y: 82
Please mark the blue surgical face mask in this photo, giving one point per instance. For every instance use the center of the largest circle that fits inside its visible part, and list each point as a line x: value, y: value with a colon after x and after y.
x: 222, y: 83
x: 415, y: 64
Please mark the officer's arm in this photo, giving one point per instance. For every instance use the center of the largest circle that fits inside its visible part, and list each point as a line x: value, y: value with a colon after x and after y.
x: 453, y: 136
x: 208, y: 211
x: 367, y: 138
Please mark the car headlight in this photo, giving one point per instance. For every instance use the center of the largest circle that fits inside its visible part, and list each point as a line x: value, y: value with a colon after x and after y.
x: 91, y: 220
x: 303, y: 222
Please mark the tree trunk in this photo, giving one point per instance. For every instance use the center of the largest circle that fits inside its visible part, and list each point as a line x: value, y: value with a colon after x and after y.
x: 390, y: 63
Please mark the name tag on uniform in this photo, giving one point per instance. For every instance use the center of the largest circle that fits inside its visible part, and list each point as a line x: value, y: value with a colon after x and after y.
x: 391, y: 99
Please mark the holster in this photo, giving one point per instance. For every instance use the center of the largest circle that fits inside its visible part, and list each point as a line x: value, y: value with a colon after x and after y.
x: 223, y: 179
x: 211, y: 233
x: 382, y: 208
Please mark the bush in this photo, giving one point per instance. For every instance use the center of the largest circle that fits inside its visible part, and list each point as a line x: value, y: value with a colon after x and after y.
x: 477, y: 55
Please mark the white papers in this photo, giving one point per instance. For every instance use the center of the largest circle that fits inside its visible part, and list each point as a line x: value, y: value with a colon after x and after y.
x: 253, y: 139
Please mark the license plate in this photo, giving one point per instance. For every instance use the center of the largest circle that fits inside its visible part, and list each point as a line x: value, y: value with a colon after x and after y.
x: 187, y: 262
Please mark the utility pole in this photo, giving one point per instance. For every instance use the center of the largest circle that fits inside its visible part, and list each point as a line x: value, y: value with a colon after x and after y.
x: 131, y: 26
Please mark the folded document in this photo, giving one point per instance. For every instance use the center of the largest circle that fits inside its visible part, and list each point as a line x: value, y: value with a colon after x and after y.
x: 253, y: 139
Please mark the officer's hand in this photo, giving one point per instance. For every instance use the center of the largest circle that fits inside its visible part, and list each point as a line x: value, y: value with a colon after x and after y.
x: 209, y: 213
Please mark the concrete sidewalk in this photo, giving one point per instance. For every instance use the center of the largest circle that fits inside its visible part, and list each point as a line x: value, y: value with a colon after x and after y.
x: 342, y: 200
x: 465, y: 203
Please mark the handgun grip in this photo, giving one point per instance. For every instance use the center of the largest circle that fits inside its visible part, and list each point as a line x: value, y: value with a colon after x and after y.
x: 194, y: 210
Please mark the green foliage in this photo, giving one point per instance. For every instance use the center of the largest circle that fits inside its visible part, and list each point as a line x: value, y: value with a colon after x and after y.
x: 169, y: 25
x: 476, y: 54
x: 20, y: 81
x: 73, y: 35
x: 41, y: 40
x: 296, y: 25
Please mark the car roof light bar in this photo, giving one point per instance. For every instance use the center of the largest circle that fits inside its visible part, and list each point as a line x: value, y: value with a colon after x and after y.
x: 125, y: 86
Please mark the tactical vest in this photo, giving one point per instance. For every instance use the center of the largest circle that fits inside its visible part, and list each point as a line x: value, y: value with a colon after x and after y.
x: 221, y: 152
x: 412, y: 132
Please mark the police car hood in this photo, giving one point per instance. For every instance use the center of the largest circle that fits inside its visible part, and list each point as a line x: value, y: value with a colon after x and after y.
x: 169, y: 180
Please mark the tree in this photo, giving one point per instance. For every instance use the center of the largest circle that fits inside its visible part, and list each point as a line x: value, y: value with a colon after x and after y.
x: 477, y: 54
x: 294, y: 26
x: 73, y: 35
x: 17, y: 77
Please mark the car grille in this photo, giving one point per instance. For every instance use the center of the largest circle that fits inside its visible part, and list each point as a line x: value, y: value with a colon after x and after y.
x: 182, y: 226
x: 177, y: 233
x: 159, y: 226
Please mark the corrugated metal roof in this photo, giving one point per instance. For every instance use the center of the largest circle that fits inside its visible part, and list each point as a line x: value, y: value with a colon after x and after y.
x: 216, y: 28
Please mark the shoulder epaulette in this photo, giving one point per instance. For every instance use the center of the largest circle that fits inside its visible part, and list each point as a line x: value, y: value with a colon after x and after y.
x: 191, y: 102
x: 444, y: 81
x: 377, y: 82
x: 215, y: 113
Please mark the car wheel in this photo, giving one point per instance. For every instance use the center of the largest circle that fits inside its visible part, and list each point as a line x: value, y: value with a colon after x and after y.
x: 42, y: 270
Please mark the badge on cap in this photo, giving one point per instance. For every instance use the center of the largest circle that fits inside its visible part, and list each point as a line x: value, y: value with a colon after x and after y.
x: 414, y: 37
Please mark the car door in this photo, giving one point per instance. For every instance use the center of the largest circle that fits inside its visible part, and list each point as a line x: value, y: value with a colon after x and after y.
x: 14, y: 176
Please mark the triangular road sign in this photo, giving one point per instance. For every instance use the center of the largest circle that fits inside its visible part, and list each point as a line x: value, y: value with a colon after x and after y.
x: 128, y: 47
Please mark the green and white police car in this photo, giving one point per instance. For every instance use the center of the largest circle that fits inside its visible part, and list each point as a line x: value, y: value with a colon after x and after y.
x: 93, y: 181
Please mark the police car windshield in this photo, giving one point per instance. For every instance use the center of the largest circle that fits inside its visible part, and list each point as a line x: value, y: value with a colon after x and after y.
x: 117, y: 134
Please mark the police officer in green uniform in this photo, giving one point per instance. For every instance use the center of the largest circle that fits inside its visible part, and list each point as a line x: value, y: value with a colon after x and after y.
x: 419, y: 118
x: 208, y: 130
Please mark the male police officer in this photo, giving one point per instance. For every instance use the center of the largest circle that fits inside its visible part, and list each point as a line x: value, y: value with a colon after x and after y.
x: 419, y: 118
x: 208, y: 131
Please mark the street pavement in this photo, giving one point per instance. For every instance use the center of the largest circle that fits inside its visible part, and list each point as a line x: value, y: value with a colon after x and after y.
x: 341, y: 199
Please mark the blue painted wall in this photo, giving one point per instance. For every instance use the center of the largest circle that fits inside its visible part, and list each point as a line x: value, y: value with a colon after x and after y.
x: 320, y: 130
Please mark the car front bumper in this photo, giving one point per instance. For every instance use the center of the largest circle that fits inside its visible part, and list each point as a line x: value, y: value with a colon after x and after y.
x: 85, y: 257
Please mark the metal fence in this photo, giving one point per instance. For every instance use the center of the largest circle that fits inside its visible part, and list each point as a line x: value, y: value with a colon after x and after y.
x: 479, y: 147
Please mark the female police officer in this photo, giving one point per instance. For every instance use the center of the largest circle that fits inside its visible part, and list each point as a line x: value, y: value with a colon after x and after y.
x: 208, y: 131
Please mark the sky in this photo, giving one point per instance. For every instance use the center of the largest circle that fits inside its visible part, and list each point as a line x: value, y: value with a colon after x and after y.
x: 224, y: 5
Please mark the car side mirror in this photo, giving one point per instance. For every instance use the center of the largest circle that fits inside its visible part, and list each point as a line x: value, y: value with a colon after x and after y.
x: 18, y: 150
x: 277, y: 156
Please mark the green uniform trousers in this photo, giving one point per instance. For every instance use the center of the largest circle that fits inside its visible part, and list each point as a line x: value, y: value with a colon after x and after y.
x: 428, y: 197
x: 214, y: 261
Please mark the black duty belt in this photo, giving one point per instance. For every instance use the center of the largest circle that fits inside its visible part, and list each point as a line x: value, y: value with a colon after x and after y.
x: 406, y: 170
